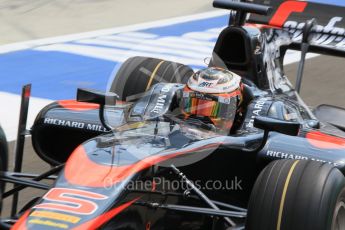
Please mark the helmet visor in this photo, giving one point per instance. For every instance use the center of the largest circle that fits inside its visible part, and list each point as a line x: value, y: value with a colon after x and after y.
x: 214, y: 106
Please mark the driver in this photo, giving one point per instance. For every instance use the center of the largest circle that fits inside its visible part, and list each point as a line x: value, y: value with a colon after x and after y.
x: 214, y: 96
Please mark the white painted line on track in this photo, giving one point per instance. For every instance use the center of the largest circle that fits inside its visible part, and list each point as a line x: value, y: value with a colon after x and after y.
x: 9, y: 118
x: 295, y: 56
x: 146, y: 48
x: 114, y: 54
x: 118, y: 44
x: 66, y: 38
x: 171, y: 42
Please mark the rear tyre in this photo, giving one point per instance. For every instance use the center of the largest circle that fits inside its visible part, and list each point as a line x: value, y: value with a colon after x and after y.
x: 299, y: 195
x: 138, y: 74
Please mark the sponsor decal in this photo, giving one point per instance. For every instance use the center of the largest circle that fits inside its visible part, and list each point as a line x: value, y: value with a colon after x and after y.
x: 74, y: 124
x: 159, y: 106
x: 55, y: 216
x: 71, y: 201
x: 294, y: 156
x: 203, y: 96
x: 224, y: 100
x: 95, y: 127
x: 285, y: 10
x: 258, y: 106
x: 205, y: 84
x: 293, y: 14
x: 326, y: 35
x: 284, y: 155
x: 48, y: 223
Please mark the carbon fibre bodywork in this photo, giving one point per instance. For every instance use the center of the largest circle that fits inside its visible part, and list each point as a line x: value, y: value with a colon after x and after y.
x: 138, y: 152
x: 101, y: 183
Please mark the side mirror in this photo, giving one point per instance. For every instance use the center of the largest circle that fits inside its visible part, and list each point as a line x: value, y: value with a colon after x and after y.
x: 98, y: 97
x: 270, y: 124
x: 275, y: 125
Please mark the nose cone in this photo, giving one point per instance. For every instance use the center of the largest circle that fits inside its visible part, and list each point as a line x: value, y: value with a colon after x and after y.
x: 50, y: 215
x: 86, y: 195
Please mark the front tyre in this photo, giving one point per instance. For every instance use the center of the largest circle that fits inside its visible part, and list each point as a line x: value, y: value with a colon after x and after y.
x: 299, y: 195
x: 3, y: 163
x: 3, y: 150
x: 137, y: 74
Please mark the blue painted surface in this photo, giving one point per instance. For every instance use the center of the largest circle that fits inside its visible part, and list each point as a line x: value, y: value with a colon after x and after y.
x: 330, y: 2
x: 56, y: 75
x: 195, y: 26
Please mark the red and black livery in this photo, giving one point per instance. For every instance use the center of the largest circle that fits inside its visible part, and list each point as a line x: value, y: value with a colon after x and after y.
x: 115, y: 155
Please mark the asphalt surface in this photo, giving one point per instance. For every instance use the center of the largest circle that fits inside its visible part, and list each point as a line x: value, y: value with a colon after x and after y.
x: 22, y: 20
x: 323, y: 82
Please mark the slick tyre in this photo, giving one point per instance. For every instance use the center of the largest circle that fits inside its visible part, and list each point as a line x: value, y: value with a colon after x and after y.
x: 3, y: 150
x: 298, y: 195
x: 138, y: 74
x: 3, y: 162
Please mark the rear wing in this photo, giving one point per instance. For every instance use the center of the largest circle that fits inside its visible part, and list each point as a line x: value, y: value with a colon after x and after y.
x: 290, y: 13
x: 327, y: 37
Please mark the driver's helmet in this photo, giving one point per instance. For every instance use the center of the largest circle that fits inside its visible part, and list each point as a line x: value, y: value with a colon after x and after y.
x: 213, y: 95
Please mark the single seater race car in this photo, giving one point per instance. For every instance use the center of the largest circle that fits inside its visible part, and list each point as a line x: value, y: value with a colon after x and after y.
x: 131, y: 159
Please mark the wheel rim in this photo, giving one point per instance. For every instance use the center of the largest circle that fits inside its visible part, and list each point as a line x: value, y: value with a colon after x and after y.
x: 339, y: 217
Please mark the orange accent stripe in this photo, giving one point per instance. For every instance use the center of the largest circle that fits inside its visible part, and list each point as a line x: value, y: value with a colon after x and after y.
x: 80, y: 106
x: 82, y: 171
x: 77, y: 106
x: 21, y: 223
x: 261, y: 26
x: 325, y: 141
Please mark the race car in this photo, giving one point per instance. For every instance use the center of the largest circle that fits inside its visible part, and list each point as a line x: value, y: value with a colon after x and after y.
x: 230, y: 146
